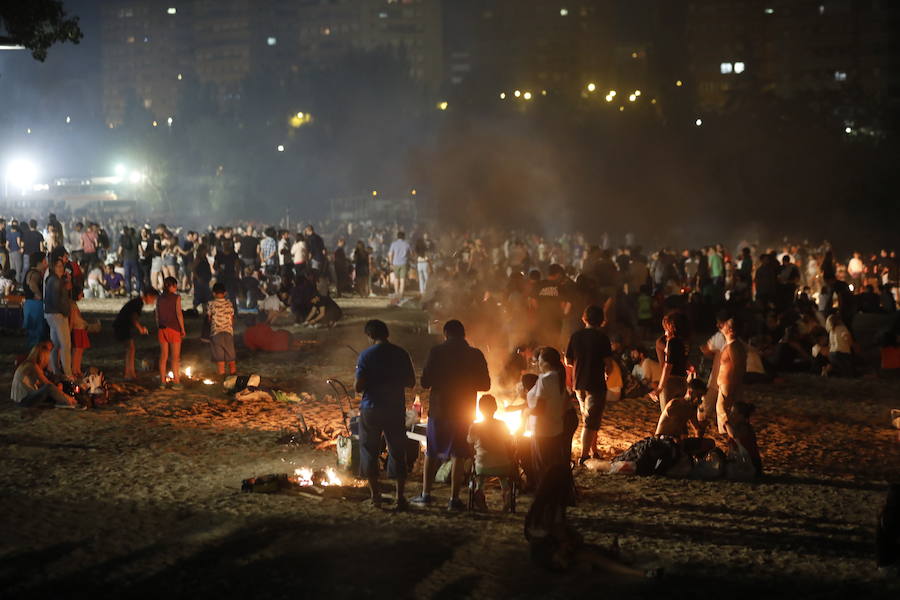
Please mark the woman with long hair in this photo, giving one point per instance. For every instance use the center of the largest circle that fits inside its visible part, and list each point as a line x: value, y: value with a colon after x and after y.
x: 673, y: 381
x: 30, y: 384
x: 548, y: 402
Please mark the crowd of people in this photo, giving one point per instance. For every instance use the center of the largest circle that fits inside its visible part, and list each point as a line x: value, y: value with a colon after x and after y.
x: 559, y: 327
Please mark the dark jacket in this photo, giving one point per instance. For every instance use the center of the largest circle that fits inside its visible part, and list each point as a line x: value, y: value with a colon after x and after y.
x: 56, y: 298
x: 455, y: 372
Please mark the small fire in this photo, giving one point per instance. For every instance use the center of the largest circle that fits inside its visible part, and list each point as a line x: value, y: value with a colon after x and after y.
x: 189, y: 372
x: 171, y: 376
x: 208, y: 382
x: 306, y: 476
x: 512, y: 418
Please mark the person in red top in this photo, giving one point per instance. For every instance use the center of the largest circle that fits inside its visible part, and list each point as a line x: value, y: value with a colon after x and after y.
x: 171, y: 331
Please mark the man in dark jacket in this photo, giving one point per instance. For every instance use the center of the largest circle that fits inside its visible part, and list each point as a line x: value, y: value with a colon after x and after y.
x: 455, y: 372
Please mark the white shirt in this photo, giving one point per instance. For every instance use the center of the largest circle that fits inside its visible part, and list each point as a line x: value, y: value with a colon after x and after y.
x: 839, y: 339
x: 299, y: 253
x: 716, y: 343
x: 550, y: 422
x: 272, y: 303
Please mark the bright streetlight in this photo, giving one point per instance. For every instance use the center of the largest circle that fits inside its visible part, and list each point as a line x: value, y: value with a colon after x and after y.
x: 135, y: 177
x: 517, y: 93
x: 591, y: 87
x: 20, y: 173
x: 527, y: 95
x: 698, y: 122
x: 119, y: 170
x: 442, y: 105
x: 280, y: 148
x: 503, y: 95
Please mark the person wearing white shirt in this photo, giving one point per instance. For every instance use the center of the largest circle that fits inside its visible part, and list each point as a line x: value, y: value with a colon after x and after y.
x: 855, y: 269
x: 548, y: 401
x: 840, y: 347
x: 299, y: 254
x: 713, y: 347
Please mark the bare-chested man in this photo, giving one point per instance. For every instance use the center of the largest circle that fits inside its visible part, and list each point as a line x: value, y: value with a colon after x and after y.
x: 732, y: 367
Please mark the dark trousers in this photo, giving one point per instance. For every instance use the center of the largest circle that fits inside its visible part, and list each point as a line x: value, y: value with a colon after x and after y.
x: 133, y: 270
x: 377, y: 426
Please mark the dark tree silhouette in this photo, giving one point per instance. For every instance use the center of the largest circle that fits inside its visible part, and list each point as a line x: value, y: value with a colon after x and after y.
x: 36, y: 25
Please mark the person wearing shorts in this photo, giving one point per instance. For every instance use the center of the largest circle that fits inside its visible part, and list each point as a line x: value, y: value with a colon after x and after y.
x: 220, y: 313
x: 383, y: 372
x: 170, y: 320
x: 455, y: 372
x: 398, y: 255
x: 128, y: 322
x: 587, y: 354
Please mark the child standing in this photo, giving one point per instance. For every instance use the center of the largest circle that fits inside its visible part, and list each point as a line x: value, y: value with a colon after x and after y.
x: 493, y: 451
x: 128, y: 323
x: 80, y: 340
x: 220, y: 313
x: 170, y: 320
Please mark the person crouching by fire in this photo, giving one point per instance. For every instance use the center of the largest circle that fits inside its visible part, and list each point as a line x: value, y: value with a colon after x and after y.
x: 455, y: 372
x: 383, y: 371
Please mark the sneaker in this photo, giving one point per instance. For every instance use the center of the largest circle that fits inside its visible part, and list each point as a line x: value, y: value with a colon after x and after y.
x: 422, y: 499
x: 455, y: 505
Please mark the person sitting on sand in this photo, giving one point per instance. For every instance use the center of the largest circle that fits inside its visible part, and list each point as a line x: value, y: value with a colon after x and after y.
x: 493, y: 451
x: 680, y: 411
x: 30, y: 385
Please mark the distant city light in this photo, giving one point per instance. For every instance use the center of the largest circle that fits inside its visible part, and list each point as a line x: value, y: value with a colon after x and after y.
x: 543, y: 92
x: 155, y: 123
x: 840, y: 76
x: 679, y: 83
x: 169, y: 121
x: 280, y: 148
x: 171, y: 10
x: 591, y: 87
x: 119, y: 170
x: 739, y: 67
x: 21, y: 173
x: 527, y: 95
x: 726, y: 68
x: 135, y: 177
x: 443, y: 104
x: 68, y: 119
x: 621, y: 109
x: 632, y: 97
x: 517, y: 93
x: 848, y: 130
x: 769, y: 11
x: 609, y: 98
x: 612, y: 93
x: 564, y: 12
x: 503, y: 95
x: 698, y: 122
x: 653, y: 101
x: 28, y: 131
x: 374, y: 193
x: 637, y: 93
x: 634, y: 55
x: 271, y: 41
x: 413, y: 191
x: 180, y: 77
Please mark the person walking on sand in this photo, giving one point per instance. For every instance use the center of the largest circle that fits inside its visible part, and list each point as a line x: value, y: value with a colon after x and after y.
x: 455, y: 372
x: 398, y: 256
x: 383, y: 371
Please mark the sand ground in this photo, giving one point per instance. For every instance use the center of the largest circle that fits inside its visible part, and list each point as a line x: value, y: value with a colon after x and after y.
x: 142, y: 498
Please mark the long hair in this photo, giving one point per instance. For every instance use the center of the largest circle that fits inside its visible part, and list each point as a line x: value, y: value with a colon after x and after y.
x: 552, y: 357
x: 40, y: 354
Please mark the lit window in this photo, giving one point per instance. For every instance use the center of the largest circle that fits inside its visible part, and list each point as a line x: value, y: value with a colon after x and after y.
x: 564, y: 12
x: 271, y: 41
x: 726, y: 68
x: 171, y: 10
x: 769, y: 11
x: 739, y: 67
x: 840, y: 76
